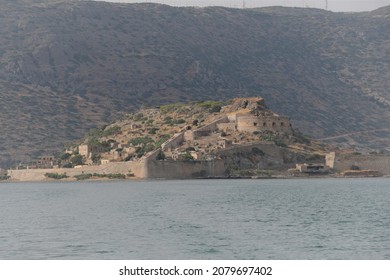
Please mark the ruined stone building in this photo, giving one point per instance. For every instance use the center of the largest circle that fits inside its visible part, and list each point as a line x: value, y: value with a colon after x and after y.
x: 243, y: 115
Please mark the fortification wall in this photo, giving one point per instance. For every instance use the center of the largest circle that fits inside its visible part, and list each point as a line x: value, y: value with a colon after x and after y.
x: 166, y: 169
x: 232, y: 117
x: 259, y: 123
x: 265, y: 155
x: 189, y: 135
x: 207, y: 129
x: 227, y: 127
x: 137, y: 168
x: 149, y: 169
x: 174, y: 142
x: 379, y: 163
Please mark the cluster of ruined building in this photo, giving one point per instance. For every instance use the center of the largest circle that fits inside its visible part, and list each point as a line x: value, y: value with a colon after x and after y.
x: 244, y: 116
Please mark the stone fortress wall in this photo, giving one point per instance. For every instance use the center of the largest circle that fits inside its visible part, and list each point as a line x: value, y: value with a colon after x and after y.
x: 169, y: 169
x: 250, y: 123
x: 138, y: 168
x: 149, y: 168
x: 340, y: 162
x: 204, y: 130
x: 227, y: 127
x: 263, y: 155
x: 173, y: 142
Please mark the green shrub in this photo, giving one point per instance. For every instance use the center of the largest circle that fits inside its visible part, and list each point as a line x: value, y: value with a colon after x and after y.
x: 138, y: 117
x: 268, y: 136
x: 280, y: 143
x: 170, y: 121
x: 56, y: 176
x: 210, y: 104
x: 153, y: 130
x: 140, y: 151
x: 188, y: 156
x: 67, y: 165
x: 4, y: 177
x: 140, y: 140
x: 168, y: 108
x: 83, y: 177
x: 355, y: 167
x: 96, y: 158
x: 96, y: 145
x: 77, y: 160
x: 302, y: 138
x: 116, y: 176
x: 114, y: 130
x: 96, y: 133
x: 128, y: 158
x: 215, y: 109
x: 65, y: 156
x: 160, y: 155
x: 109, y: 176
x: 163, y: 139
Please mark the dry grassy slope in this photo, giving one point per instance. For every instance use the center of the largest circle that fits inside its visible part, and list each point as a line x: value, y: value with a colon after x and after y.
x: 68, y: 66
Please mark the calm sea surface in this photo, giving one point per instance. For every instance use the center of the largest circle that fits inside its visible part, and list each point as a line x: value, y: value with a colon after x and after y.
x: 197, y: 219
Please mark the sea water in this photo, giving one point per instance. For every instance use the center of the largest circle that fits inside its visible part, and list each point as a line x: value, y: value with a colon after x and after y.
x: 196, y: 219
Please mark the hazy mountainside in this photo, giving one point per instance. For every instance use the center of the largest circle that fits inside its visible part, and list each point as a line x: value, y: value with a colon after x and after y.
x: 68, y: 66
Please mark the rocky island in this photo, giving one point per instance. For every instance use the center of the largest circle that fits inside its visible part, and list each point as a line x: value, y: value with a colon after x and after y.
x: 211, y: 139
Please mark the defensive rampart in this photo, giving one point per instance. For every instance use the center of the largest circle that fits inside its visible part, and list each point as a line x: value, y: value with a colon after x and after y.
x: 173, y: 142
x: 205, y: 130
x: 227, y: 127
x: 149, y: 168
x: 259, y: 123
x: 138, y: 168
x: 169, y: 169
x: 379, y: 163
x: 261, y: 156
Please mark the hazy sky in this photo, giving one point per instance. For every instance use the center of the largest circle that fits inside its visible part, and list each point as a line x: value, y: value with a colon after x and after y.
x: 333, y: 5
